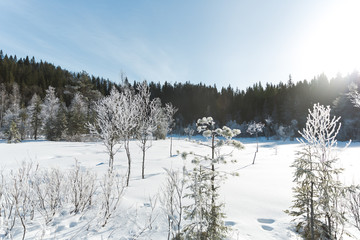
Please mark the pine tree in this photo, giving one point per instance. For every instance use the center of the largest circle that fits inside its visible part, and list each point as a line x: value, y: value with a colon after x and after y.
x: 206, y: 211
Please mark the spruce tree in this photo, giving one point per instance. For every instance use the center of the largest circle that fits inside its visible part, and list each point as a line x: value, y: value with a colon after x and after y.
x: 34, y: 111
x: 318, y: 192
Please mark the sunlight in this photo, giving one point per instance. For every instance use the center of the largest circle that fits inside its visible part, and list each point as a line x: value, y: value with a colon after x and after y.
x: 332, y: 44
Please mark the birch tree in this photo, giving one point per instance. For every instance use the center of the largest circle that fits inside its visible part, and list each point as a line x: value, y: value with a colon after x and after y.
x: 127, y: 124
x: 106, y: 124
x: 148, y: 113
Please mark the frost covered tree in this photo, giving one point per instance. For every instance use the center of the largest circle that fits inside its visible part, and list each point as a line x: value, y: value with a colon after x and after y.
x: 12, y: 113
x: 3, y: 103
x: 206, y: 211
x: 268, y: 127
x: 255, y: 128
x: 169, y: 112
x: 49, y: 113
x: 354, y: 95
x: 172, y: 202
x: 13, y: 133
x: 148, y: 113
x: 318, y: 192
x: 34, y: 113
x: 189, y: 130
x: 106, y: 124
x: 127, y: 124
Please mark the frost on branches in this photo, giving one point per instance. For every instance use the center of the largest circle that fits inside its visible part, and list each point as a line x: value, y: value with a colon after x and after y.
x: 318, y: 207
x: 106, y: 124
x: 354, y: 95
x: 255, y: 128
x: 206, y: 213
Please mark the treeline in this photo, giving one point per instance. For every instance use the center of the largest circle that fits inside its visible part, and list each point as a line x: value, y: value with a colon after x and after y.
x: 280, y: 104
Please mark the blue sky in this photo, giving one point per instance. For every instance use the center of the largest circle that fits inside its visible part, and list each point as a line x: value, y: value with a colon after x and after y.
x: 213, y: 42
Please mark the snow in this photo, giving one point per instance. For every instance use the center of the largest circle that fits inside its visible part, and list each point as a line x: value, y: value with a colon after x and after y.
x: 255, y: 200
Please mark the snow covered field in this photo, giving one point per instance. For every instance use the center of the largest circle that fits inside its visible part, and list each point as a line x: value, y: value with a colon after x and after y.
x: 255, y: 200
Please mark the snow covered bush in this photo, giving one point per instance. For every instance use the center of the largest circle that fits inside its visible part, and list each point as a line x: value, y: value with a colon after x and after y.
x: 112, y: 189
x: 49, y: 191
x: 81, y: 184
x: 172, y: 202
x: 318, y: 195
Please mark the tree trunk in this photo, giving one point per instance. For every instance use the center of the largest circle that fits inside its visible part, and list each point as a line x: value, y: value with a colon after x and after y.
x: 143, y: 159
x: 127, y: 149
x: 312, y: 211
x: 111, y: 160
x: 257, y: 148
x: 170, y: 146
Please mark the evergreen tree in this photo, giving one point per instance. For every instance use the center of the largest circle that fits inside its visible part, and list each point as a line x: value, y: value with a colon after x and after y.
x: 77, y: 116
x: 13, y: 133
x: 49, y: 113
x: 34, y: 112
x: 318, y: 192
x: 206, y: 212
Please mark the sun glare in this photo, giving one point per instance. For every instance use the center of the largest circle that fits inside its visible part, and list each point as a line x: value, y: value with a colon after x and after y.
x: 332, y: 45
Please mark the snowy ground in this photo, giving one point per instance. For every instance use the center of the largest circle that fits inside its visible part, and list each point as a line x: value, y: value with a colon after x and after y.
x: 255, y: 200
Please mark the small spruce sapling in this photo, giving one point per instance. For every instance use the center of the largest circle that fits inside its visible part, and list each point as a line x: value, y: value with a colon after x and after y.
x: 206, y: 212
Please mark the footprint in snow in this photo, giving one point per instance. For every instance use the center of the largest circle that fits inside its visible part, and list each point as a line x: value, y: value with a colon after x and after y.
x: 230, y: 223
x: 267, y: 228
x: 60, y: 228
x: 72, y: 224
x: 266, y: 221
